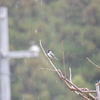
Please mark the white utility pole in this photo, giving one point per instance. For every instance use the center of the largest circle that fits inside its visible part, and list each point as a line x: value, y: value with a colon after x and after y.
x: 5, y: 55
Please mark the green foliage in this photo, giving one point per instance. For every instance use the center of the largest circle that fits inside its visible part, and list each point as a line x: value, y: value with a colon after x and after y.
x: 79, y: 81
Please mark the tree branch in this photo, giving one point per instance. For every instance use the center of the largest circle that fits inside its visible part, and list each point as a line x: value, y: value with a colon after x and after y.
x: 83, y: 92
x: 98, y: 90
x: 48, y: 69
x: 47, y: 56
x: 92, y: 63
x: 63, y: 57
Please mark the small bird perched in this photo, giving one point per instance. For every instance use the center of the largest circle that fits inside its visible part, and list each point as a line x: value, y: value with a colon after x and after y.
x: 51, y: 55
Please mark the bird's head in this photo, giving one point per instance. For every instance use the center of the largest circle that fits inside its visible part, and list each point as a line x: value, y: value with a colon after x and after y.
x: 49, y: 51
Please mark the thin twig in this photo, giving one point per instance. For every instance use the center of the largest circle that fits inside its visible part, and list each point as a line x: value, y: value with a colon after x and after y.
x: 47, y: 56
x: 85, y: 90
x: 48, y: 69
x: 92, y: 63
x: 70, y: 73
x: 89, y: 95
x: 63, y: 57
x: 70, y: 78
x: 86, y: 98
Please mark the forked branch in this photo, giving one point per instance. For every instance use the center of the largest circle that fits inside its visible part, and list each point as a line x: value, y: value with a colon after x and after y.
x: 83, y: 92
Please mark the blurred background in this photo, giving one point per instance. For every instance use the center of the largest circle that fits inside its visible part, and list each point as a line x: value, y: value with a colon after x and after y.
x: 76, y: 22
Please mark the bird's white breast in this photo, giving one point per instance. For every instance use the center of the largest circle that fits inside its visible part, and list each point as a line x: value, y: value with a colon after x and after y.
x: 49, y: 55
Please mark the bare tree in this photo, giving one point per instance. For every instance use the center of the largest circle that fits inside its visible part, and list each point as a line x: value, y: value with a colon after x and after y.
x: 85, y: 93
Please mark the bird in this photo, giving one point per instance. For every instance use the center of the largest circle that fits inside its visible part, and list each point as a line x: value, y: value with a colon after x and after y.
x: 51, y: 55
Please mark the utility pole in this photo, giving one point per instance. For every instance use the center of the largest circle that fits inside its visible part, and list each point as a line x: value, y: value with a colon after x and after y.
x: 6, y: 55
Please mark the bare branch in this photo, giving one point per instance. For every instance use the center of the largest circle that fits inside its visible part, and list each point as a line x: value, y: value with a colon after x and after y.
x: 48, y: 69
x: 98, y: 90
x: 89, y: 95
x: 83, y: 92
x: 70, y: 78
x: 71, y: 82
x: 47, y: 56
x: 77, y: 90
x: 63, y: 57
x: 84, y: 96
x: 92, y: 63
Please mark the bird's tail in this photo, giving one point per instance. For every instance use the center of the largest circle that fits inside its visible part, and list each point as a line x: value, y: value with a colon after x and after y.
x: 56, y: 58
